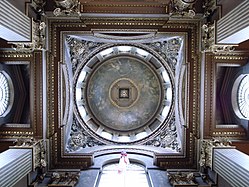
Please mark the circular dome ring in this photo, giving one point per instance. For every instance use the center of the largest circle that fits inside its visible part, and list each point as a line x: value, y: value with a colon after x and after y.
x: 91, y: 98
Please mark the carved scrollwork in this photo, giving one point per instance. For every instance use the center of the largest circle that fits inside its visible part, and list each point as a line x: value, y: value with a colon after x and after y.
x: 209, y: 7
x: 208, y: 36
x: 67, y: 8
x: 38, y: 6
x: 167, y: 138
x: 169, y: 50
x: 209, y: 41
x: 64, y: 179
x: 207, y: 146
x: 183, y: 8
x: 79, y: 138
x: 79, y: 49
x: 181, y: 178
x: 38, y: 39
x: 39, y: 150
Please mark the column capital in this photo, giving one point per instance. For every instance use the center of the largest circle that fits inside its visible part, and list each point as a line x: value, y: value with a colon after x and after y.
x: 207, y: 146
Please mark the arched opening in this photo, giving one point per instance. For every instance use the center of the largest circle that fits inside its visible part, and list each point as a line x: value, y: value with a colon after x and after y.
x: 135, y: 175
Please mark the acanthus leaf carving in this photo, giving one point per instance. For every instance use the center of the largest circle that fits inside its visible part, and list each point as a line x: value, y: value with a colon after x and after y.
x: 209, y: 40
x: 38, y: 41
x: 169, y: 50
x: 209, y: 7
x: 39, y: 150
x: 79, y: 49
x: 207, y: 146
x: 79, y: 138
x: 181, y: 178
x: 167, y: 138
x: 67, y: 8
x: 183, y: 8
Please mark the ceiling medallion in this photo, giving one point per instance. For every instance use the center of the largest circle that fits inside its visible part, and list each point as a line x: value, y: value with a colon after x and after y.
x: 122, y: 94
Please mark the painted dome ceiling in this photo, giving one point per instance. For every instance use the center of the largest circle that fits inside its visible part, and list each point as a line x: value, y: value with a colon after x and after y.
x: 124, y: 93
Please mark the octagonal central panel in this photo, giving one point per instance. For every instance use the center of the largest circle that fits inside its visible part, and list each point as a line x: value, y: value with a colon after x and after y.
x: 125, y: 88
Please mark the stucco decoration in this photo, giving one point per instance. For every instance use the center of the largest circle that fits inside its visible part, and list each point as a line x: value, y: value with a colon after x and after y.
x: 79, y: 49
x: 168, y: 50
x: 79, y: 138
x: 207, y: 146
x: 167, y: 138
x: 123, y: 93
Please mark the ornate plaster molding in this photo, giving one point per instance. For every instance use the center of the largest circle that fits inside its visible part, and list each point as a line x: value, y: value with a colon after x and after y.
x: 39, y: 150
x: 38, y: 39
x: 38, y: 6
x: 209, y: 7
x: 209, y: 40
x: 182, y: 178
x: 64, y: 179
x: 67, y: 8
x: 79, y: 138
x: 169, y: 50
x: 79, y: 49
x: 167, y: 138
x: 207, y: 147
x: 183, y: 8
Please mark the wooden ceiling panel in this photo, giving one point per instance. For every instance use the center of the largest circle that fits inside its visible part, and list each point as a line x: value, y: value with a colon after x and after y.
x: 125, y: 7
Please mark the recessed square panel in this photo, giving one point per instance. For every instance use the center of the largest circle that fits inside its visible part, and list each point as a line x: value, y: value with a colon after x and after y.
x: 124, y: 93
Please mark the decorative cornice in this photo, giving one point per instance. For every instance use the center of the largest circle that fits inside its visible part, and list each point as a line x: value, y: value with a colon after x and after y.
x: 39, y: 150
x: 124, y: 21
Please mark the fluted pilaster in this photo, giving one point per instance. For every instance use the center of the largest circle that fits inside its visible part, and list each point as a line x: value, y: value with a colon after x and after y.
x: 14, y: 165
x: 233, y: 28
x: 232, y: 165
x: 14, y: 25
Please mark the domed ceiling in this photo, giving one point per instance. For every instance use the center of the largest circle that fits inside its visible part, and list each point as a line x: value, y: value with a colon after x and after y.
x: 123, y: 92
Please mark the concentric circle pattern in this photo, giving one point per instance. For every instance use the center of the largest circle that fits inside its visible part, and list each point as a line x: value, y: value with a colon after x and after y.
x: 123, y: 94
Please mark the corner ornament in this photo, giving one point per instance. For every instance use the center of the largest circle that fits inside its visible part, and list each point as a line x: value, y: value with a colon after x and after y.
x: 208, y: 31
x: 38, y: 41
x: 207, y: 147
x: 67, y: 8
x: 183, y: 8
